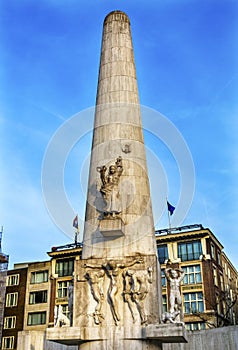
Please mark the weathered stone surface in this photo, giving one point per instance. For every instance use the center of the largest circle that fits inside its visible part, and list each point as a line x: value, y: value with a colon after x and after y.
x: 110, y: 227
x: 166, y: 333
x: 118, y: 132
x: 117, y: 288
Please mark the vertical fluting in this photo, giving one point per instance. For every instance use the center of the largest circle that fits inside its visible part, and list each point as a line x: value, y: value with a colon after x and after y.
x: 119, y: 239
x: 118, y: 133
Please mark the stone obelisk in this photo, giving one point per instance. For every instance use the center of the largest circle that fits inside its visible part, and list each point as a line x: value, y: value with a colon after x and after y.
x: 119, y: 217
x: 119, y: 248
x: 117, y: 298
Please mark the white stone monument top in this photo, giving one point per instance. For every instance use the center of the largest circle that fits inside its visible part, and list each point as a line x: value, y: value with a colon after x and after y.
x: 119, y: 218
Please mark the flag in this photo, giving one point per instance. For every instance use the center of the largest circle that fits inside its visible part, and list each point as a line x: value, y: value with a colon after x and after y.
x: 170, y: 208
x: 75, y: 222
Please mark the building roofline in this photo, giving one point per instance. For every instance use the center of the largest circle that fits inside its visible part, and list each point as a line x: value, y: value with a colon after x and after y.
x: 67, y: 249
x: 184, y: 232
x: 228, y: 260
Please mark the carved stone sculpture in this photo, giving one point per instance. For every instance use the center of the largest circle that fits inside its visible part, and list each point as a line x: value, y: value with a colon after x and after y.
x: 61, y: 320
x: 139, y: 290
x: 109, y: 188
x: 95, y: 278
x: 170, y: 317
x: 174, y: 278
x: 112, y: 269
x: 127, y: 294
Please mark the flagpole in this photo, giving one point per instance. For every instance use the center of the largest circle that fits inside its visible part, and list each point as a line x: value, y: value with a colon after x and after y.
x: 169, y: 219
x: 168, y: 213
x: 76, y: 226
x: 76, y: 236
x: 171, y: 209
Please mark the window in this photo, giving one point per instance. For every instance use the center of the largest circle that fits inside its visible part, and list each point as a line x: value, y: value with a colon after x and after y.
x: 164, y: 303
x: 38, y: 297
x: 212, y: 251
x: 215, y: 275
x: 65, y: 310
x: 64, y: 267
x: 63, y: 289
x: 36, y: 318
x: 163, y: 278
x: 219, y: 257
x: 222, y: 282
x: 39, y: 276
x: 9, y: 322
x: 13, y: 280
x: 163, y: 253
x: 224, y: 307
x: 218, y: 306
x: 225, y: 268
x: 8, y: 342
x: 11, y: 299
x: 189, y: 251
x: 193, y: 303
x: 195, y: 326
x: 192, y: 274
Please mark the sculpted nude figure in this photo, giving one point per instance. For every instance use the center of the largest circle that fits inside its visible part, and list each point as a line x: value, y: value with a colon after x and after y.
x: 174, y: 277
x: 95, y: 277
x: 112, y: 268
x: 139, y: 289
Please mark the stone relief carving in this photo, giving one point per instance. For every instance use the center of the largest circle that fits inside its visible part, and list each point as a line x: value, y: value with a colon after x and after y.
x: 95, y: 278
x: 112, y: 269
x: 136, y: 290
x: 174, y: 278
x: 109, y: 187
x: 170, y: 317
x: 60, y: 319
x: 127, y: 148
x: 127, y: 294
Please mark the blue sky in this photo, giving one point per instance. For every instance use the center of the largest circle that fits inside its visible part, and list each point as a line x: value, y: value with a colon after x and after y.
x: 186, y: 60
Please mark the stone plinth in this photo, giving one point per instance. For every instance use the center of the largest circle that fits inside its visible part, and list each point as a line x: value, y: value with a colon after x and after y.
x: 166, y: 333
x: 161, y: 333
x: 111, y: 227
x: 75, y: 335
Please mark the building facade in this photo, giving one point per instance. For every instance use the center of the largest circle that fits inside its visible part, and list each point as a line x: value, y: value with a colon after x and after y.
x: 209, y: 287
x: 3, y: 276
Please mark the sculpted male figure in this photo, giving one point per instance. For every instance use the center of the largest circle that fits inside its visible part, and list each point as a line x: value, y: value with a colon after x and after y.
x: 174, y: 277
x: 139, y: 289
x: 60, y: 319
x: 112, y: 268
x: 94, y: 277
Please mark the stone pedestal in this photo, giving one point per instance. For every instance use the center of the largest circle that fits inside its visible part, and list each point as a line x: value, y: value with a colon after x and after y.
x: 112, y: 227
x: 129, y: 337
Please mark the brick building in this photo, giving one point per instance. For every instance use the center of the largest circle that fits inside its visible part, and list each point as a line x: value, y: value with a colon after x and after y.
x: 3, y: 276
x: 209, y: 287
x: 14, y: 311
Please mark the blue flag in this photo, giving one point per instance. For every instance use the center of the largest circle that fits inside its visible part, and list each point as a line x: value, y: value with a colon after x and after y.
x: 171, y: 209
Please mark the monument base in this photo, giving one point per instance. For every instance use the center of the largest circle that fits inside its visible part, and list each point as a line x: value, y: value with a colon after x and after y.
x: 161, y: 333
x: 166, y: 333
